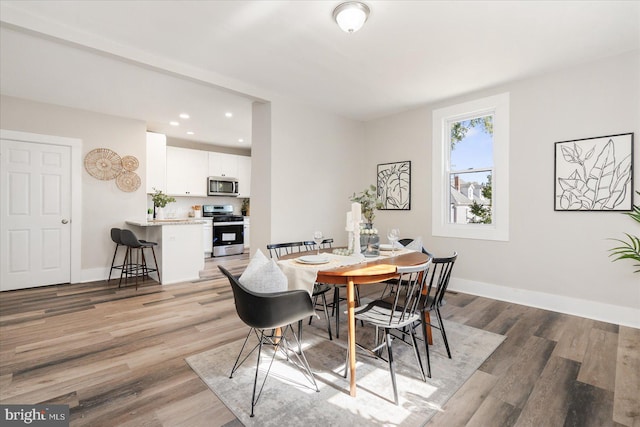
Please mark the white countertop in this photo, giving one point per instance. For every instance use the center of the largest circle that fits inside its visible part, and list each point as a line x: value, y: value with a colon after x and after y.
x: 162, y: 222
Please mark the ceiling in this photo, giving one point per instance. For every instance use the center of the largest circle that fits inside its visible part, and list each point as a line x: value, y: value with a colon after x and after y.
x: 154, y: 60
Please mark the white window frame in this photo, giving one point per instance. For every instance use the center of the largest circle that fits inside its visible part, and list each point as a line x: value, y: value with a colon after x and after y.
x: 498, y: 105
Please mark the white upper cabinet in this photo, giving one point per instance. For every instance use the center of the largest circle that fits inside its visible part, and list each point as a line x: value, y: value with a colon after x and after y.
x: 156, y: 162
x: 244, y: 176
x: 187, y: 172
x: 221, y: 164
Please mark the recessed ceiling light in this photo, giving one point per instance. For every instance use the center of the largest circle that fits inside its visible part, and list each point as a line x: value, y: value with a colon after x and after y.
x: 240, y: 140
x: 190, y: 133
x: 174, y: 123
x: 228, y: 114
x: 184, y: 116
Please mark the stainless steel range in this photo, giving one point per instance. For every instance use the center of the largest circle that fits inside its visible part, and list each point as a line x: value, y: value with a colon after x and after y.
x: 228, y: 230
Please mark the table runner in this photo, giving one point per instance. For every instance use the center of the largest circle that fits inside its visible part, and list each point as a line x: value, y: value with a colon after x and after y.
x: 303, y: 276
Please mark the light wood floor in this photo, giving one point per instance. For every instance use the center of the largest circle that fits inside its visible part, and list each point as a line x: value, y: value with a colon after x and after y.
x: 116, y: 357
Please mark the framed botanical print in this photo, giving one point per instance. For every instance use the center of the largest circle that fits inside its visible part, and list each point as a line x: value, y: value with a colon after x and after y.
x: 594, y: 174
x: 394, y: 185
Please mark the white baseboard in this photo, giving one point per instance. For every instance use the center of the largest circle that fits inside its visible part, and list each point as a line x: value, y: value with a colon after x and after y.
x: 95, y: 274
x: 620, y: 315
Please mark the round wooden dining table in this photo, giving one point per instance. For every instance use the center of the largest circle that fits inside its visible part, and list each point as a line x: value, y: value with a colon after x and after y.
x: 366, y: 272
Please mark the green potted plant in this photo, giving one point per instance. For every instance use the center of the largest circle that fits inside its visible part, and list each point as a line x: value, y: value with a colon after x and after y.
x: 630, y: 249
x: 244, y: 209
x: 160, y: 200
x: 369, y: 201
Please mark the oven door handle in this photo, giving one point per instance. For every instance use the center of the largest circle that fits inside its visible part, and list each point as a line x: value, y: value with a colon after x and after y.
x: 219, y: 224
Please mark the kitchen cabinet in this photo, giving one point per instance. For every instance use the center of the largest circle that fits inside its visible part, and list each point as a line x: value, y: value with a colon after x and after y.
x: 244, y: 176
x: 187, y: 172
x: 156, y: 162
x: 222, y: 164
x: 247, y: 231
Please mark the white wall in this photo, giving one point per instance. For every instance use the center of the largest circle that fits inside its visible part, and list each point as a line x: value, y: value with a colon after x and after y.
x: 557, y: 260
x: 103, y: 204
x: 316, y: 164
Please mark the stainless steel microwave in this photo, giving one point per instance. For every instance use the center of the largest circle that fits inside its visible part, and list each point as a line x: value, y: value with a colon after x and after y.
x: 222, y: 186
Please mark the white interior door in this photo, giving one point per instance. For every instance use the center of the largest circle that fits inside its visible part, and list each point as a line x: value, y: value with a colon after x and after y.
x: 35, y: 190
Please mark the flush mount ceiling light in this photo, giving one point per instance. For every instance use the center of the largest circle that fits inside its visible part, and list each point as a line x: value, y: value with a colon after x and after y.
x: 351, y: 16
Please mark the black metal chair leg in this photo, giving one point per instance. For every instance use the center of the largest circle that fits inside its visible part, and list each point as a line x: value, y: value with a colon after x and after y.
x: 326, y: 316
x: 444, y: 333
x: 126, y: 267
x: 113, y: 262
x: 255, y: 380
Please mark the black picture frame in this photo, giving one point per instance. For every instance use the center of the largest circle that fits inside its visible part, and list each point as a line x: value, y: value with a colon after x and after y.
x: 594, y: 174
x: 394, y: 185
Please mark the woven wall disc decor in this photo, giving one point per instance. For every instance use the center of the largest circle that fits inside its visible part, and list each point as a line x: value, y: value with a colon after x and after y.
x: 128, y: 181
x: 130, y: 163
x: 103, y: 164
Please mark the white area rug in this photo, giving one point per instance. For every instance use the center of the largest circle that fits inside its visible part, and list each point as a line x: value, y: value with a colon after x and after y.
x: 288, y: 399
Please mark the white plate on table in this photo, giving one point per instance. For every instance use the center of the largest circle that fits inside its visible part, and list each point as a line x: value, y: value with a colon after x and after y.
x: 313, y: 259
x: 386, y: 247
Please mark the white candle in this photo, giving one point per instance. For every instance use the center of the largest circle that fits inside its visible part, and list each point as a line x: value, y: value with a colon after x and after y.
x: 356, y: 212
x: 349, y: 226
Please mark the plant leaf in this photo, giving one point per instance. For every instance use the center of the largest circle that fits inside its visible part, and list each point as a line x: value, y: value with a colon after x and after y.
x: 590, y: 153
x: 621, y: 177
x: 601, y: 176
x: 569, y: 154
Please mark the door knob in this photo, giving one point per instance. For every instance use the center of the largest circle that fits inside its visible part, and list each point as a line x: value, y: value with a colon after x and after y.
x: 65, y: 221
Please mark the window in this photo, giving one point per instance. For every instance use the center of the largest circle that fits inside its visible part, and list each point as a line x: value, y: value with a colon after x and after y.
x: 471, y: 169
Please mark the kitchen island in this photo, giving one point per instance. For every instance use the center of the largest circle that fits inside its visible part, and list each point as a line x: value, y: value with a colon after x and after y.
x: 179, y: 249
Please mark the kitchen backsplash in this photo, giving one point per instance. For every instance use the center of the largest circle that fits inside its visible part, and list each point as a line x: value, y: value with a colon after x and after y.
x: 182, y: 205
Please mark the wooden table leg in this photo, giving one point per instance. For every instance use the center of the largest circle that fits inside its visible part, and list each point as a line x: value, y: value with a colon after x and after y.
x: 351, y: 304
x: 427, y: 320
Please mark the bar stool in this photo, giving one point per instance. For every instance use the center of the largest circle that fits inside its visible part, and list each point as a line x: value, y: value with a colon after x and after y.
x: 140, y: 266
x: 115, y: 236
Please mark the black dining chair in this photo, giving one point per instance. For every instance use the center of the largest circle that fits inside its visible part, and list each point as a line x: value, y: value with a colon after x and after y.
x: 310, y: 245
x: 438, y: 282
x: 335, y: 304
x: 270, y: 317
x: 276, y: 250
x: 391, y: 283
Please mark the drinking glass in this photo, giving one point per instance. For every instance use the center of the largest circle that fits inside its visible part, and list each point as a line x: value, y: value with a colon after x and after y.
x: 318, y: 237
x: 393, y: 235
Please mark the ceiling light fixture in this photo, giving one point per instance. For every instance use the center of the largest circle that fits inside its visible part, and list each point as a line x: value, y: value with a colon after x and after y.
x: 184, y: 116
x: 228, y: 114
x: 351, y: 16
x: 190, y: 133
x: 174, y: 123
